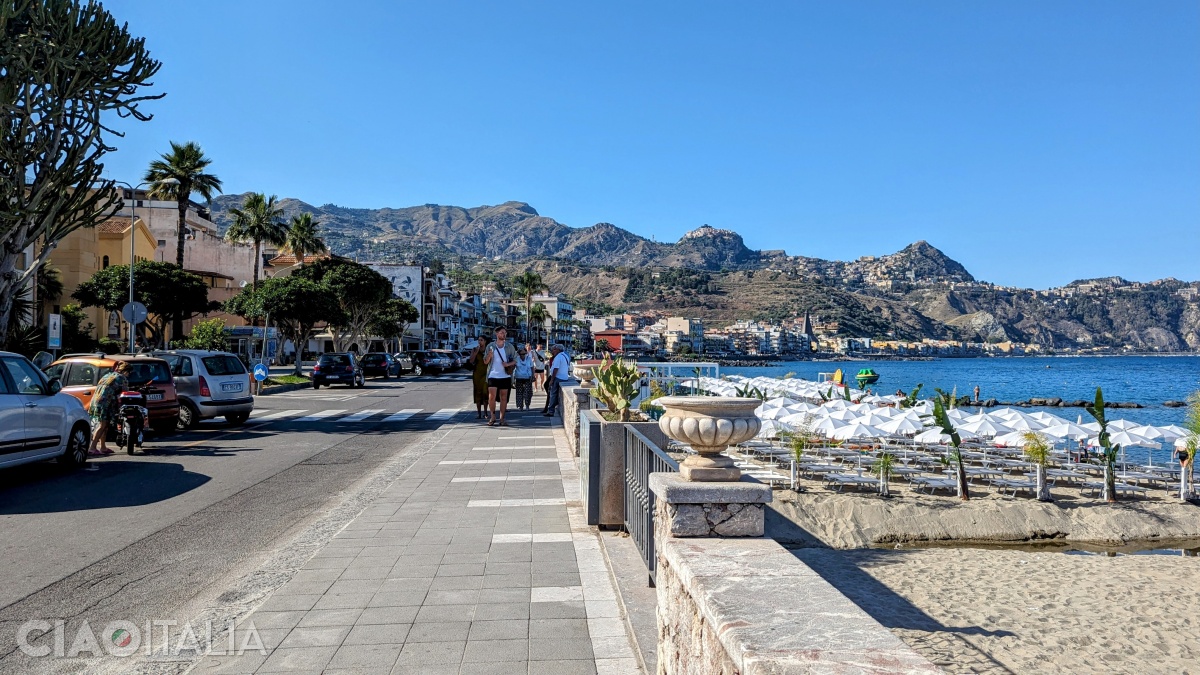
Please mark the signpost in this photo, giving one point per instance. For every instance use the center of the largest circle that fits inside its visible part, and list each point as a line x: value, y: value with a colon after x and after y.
x: 260, y: 371
x: 54, y: 333
x: 134, y: 313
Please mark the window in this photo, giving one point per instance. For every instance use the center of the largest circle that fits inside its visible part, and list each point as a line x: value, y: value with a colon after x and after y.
x: 25, y: 376
x: 223, y: 365
x: 55, y: 371
x: 105, y: 263
x: 81, y: 375
x: 334, y: 360
x: 141, y: 372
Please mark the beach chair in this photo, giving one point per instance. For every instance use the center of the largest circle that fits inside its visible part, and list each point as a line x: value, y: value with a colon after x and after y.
x: 841, y: 480
x: 1013, y: 486
x: 1096, y: 488
x: 932, y: 484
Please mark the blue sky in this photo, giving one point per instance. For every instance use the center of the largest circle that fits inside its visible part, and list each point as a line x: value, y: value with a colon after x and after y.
x: 1034, y: 142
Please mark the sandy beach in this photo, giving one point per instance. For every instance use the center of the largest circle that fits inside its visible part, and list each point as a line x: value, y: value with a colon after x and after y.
x: 988, y: 611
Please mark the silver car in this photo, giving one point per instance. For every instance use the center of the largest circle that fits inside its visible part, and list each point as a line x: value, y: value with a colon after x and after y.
x: 209, y: 384
x: 36, y: 421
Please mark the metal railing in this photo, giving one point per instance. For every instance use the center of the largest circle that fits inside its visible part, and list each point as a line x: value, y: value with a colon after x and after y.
x: 642, y: 458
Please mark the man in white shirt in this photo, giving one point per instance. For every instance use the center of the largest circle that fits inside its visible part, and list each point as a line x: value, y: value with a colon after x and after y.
x: 559, y: 374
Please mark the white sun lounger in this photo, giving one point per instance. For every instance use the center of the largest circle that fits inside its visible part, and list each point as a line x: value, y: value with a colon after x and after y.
x: 841, y: 480
x: 932, y: 484
x: 1097, y: 488
x: 1013, y: 486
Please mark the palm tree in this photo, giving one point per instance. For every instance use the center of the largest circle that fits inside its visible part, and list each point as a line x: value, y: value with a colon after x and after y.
x: 259, y: 221
x: 176, y: 176
x: 302, y: 237
x: 527, y: 285
x: 1037, y: 450
x: 537, y: 316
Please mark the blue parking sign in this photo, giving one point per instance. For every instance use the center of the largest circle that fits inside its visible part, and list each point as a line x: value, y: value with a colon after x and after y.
x: 260, y: 371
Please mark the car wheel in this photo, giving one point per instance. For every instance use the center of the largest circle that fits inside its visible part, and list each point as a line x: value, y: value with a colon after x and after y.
x: 417, y: 371
x: 237, y: 419
x: 188, y: 417
x: 387, y: 376
x: 316, y: 385
x: 75, y: 454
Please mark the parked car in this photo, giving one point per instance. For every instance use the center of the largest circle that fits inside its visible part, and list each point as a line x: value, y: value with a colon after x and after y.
x: 37, y: 422
x: 377, y: 364
x: 209, y: 384
x: 404, y: 362
x: 338, y: 368
x: 451, y: 356
x: 79, y: 374
x: 430, y: 362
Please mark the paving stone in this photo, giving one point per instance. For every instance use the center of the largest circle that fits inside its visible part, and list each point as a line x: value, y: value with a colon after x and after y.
x: 397, y: 599
x: 575, y: 667
x: 302, y: 659
x: 558, y: 628
x: 397, y: 615
x: 439, y: 631
x: 502, y: 668
x: 429, y: 653
x: 504, y: 629
x: 432, y: 613
x: 329, y: 617
x: 322, y: 636
x: 496, y: 650
x: 377, y: 634
x: 344, y: 601
x: 262, y: 619
x: 557, y: 610
x: 501, y: 611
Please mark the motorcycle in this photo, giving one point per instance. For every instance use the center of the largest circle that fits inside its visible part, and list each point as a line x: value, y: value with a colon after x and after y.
x: 132, y: 418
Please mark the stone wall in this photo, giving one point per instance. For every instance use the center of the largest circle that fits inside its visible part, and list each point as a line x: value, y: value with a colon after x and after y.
x: 574, y: 400
x: 747, y: 606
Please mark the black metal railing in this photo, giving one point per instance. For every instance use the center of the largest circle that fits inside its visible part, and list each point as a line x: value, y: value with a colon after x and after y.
x: 642, y: 458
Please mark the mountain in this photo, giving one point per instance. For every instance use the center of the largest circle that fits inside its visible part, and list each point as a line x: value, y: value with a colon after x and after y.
x: 917, y: 292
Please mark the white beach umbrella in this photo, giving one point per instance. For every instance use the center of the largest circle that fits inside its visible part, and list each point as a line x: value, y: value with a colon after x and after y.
x: 1013, y: 439
x: 923, y: 407
x: 874, y: 419
x: 1024, y: 424
x: 935, y: 435
x: 901, y: 426
x: 1127, y: 439
x: 986, y: 428
x: 771, y: 428
x: 773, y: 413
x: 780, y: 401
x: 857, y: 431
x: 799, y: 419
x: 1093, y: 427
x: 1122, y: 425
x: 956, y: 414
x: 845, y: 415
x: 1067, y: 430
x: 1149, y: 432
x: 1181, y: 442
x: 835, y: 404
x: 826, y: 426
x: 1174, y: 431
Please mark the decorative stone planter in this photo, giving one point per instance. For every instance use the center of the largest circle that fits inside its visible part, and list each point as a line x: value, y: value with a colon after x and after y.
x: 709, y: 424
x: 585, y: 376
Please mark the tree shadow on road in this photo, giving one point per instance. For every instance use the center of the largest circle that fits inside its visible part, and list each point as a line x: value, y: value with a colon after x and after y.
x: 45, y: 488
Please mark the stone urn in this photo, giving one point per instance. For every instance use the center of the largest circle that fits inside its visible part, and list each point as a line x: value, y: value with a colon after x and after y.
x: 585, y: 376
x: 709, y: 424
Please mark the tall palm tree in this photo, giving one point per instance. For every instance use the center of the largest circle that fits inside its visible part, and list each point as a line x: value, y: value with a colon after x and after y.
x: 537, y: 316
x: 527, y: 285
x: 185, y: 164
x: 259, y: 221
x: 303, y: 238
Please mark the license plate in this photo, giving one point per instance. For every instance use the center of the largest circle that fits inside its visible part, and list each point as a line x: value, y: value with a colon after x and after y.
x: 154, y: 397
x: 333, y: 377
x: 231, y: 386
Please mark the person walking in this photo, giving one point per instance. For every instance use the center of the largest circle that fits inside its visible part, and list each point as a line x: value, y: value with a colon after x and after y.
x: 559, y: 373
x: 105, y: 405
x: 501, y: 360
x: 479, y: 384
x: 539, y: 366
x: 523, y: 378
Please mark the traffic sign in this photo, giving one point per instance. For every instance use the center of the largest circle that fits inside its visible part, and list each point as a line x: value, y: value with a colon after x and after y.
x: 134, y: 312
x: 54, y: 332
x: 260, y: 371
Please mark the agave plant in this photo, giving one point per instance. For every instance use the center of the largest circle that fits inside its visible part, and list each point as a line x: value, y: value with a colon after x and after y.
x: 882, y: 467
x: 911, y: 400
x: 942, y: 420
x: 616, y: 385
x: 1037, y: 450
x: 1108, y: 451
x: 751, y: 392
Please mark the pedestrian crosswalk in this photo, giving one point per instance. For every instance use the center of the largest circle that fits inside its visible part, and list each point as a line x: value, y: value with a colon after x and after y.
x: 339, y: 415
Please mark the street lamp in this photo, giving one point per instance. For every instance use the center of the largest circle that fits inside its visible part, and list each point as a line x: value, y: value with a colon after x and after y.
x: 132, y: 237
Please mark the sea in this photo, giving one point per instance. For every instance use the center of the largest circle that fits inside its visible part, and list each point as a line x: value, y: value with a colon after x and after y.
x: 1148, y: 380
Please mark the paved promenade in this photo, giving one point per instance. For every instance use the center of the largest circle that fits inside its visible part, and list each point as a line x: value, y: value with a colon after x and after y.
x: 476, y: 560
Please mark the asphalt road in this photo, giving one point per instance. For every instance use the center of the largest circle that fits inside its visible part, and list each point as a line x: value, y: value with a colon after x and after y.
x: 143, y: 537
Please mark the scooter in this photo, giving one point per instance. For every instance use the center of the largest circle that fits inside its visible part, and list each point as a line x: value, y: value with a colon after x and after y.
x: 131, y: 420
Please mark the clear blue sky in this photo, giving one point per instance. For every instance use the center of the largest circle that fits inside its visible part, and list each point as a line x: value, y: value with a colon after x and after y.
x: 1035, y: 142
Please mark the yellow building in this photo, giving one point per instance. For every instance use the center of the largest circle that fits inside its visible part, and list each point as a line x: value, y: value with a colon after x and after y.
x: 86, y: 251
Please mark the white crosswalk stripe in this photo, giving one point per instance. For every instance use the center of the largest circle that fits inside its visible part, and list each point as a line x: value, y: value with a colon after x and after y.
x: 499, y: 479
x: 444, y: 414
x: 402, y: 415
x: 526, y: 460
x: 267, y: 415
x: 318, y: 416
x: 360, y: 415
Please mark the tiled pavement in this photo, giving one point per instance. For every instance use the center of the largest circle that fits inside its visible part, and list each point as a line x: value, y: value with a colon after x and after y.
x: 474, y: 561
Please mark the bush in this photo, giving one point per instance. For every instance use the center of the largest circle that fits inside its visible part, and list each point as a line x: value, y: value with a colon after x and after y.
x: 208, y: 334
x: 111, y: 346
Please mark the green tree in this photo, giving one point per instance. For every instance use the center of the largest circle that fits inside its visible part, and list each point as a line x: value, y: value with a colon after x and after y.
x: 942, y: 420
x: 77, y: 331
x: 361, y: 293
x: 259, y: 221
x: 1191, y: 443
x: 393, y: 320
x: 1038, y: 449
x: 65, y: 69
x: 295, y: 305
x: 537, y: 317
x: 207, y: 334
x: 1108, y: 451
x: 175, y: 177
x: 527, y: 285
x: 303, y: 238
x: 167, y: 291
x: 603, y: 346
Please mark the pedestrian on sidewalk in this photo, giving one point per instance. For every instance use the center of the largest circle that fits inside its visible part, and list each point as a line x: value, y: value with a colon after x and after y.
x: 558, y: 375
x: 539, y: 367
x: 479, y: 384
x: 523, y: 378
x: 501, y: 360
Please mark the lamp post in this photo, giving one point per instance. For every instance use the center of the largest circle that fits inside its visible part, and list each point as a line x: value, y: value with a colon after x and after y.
x: 133, y: 237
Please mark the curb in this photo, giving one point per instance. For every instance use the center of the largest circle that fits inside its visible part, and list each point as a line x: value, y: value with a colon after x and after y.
x: 281, y: 388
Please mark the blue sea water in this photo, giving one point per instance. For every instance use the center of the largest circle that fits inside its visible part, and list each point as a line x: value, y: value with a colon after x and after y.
x: 1148, y: 380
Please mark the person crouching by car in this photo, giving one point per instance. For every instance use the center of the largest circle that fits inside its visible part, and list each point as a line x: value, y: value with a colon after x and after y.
x: 105, y: 406
x: 501, y: 360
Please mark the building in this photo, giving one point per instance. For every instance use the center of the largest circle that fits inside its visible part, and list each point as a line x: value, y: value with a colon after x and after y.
x: 621, y: 341
x: 690, y: 332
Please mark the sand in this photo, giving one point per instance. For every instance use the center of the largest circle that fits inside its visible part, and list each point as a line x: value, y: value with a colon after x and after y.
x: 987, y: 611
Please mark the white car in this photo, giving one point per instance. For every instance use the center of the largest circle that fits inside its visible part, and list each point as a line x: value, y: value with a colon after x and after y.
x: 36, y: 421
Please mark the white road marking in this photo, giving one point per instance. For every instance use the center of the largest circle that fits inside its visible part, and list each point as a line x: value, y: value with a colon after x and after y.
x: 521, y: 438
x: 519, y: 538
x: 318, y: 416
x: 497, y: 479
x: 277, y: 415
x: 444, y: 414
x: 515, y: 502
x: 360, y: 415
x: 402, y: 415
x: 536, y: 460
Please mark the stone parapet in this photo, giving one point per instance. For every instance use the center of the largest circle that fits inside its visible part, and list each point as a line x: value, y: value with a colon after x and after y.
x: 691, y: 509
x: 747, y: 606
x: 574, y: 400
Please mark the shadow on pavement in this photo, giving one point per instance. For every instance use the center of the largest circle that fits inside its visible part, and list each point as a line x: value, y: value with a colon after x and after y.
x: 45, y: 488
